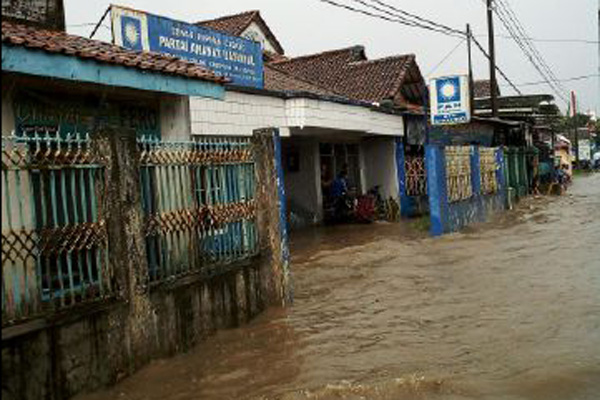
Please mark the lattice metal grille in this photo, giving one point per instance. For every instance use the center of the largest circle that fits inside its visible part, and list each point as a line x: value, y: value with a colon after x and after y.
x: 198, y: 197
x: 488, y: 167
x: 416, y: 177
x: 458, y: 173
x: 53, y: 230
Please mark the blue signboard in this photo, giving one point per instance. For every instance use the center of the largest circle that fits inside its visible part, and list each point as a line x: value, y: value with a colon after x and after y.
x: 233, y: 57
x: 450, y: 100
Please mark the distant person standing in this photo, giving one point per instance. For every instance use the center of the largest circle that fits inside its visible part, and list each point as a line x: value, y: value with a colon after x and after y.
x: 339, y: 187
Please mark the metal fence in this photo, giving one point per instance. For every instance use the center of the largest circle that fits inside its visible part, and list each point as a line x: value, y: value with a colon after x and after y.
x: 54, y: 241
x: 416, y: 176
x: 199, y: 204
x: 488, y: 167
x: 458, y: 173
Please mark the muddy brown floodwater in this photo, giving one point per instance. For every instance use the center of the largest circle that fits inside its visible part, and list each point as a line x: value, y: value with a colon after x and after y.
x: 509, y: 310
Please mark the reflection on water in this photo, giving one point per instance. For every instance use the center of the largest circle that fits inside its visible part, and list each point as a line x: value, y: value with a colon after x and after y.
x: 508, y: 310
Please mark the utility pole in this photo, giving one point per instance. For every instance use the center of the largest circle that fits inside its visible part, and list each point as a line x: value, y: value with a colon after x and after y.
x: 493, y: 82
x: 471, y: 81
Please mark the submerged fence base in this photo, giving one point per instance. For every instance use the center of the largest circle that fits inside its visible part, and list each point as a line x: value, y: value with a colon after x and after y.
x: 91, y: 348
x: 463, y: 187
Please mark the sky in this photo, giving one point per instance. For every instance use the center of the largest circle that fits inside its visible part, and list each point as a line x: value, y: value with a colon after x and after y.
x: 311, y: 26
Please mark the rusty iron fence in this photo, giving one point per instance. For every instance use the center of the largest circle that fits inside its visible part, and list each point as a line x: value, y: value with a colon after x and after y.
x: 458, y: 173
x: 488, y: 167
x: 199, y: 204
x: 54, y: 240
x: 416, y: 176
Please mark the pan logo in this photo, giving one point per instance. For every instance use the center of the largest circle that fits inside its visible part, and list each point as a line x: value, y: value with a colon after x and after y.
x: 131, y: 32
x: 448, y: 90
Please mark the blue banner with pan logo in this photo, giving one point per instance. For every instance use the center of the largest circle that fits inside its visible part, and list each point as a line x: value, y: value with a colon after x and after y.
x: 236, y: 58
x: 449, y: 100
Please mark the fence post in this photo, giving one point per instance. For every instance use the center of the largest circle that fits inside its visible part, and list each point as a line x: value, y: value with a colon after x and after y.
x: 405, y: 203
x: 476, y: 183
x: 275, y: 276
x: 435, y: 165
x: 127, y: 248
x: 501, y: 175
x: 475, y: 171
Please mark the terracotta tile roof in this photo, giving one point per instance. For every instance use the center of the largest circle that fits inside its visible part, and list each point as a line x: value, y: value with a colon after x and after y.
x: 481, y: 89
x: 236, y: 25
x: 281, y: 81
x: 232, y: 24
x: 319, y: 67
x: 348, y: 72
x: 77, y: 46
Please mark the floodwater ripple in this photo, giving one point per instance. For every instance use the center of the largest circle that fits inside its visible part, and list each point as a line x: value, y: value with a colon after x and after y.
x: 506, y: 310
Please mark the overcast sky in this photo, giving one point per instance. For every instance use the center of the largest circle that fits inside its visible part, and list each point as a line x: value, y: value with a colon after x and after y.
x: 309, y: 26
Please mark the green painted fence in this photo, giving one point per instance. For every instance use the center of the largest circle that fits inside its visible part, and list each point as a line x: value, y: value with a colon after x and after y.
x: 54, y: 241
x: 199, y: 203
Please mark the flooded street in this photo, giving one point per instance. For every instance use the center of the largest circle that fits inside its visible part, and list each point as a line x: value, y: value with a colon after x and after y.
x: 508, y: 310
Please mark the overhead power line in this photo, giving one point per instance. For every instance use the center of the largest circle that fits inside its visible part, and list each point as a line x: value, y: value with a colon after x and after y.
x: 583, y: 41
x: 577, y: 78
x: 446, y: 57
x: 411, y: 15
x: 397, y: 18
x: 517, y: 32
x: 485, y: 53
x: 396, y: 15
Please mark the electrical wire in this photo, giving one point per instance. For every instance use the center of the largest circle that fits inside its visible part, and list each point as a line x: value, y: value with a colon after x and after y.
x: 446, y: 57
x: 440, y: 28
x: 397, y: 18
x: 485, y: 53
x: 577, y: 78
x: 517, y: 32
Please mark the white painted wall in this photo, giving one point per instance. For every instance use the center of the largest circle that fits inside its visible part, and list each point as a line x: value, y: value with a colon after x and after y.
x: 311, y: 112
x: 303, y: 188
x: 253, y: 32
x: 241, y: 113
x: 379, y: 155
x: 237, y: 115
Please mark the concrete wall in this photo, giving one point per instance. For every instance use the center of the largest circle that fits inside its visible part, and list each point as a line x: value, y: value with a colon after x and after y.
x: 303, y: 188
x: 238, y: 114
x: 379, y: 156
x: 311, y: 112
x: 173, y: 110
x: 447, y: 217
x: 8, y: 115
x: 459, y: 135
x: 175, y: 118
x: 241, y: 113
x: 90, y: 349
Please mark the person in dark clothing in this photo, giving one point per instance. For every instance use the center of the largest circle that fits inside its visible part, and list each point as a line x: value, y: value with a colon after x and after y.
x: 339, y: 193
x: 339, y: 187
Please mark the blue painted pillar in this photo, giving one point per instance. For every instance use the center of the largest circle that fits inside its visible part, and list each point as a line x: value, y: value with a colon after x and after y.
x: 283, y: 225
x: 476, y: 183
x: 405, y: 201
x: 475, y: 171
x: 435, y: 165
x: 501, y: 174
